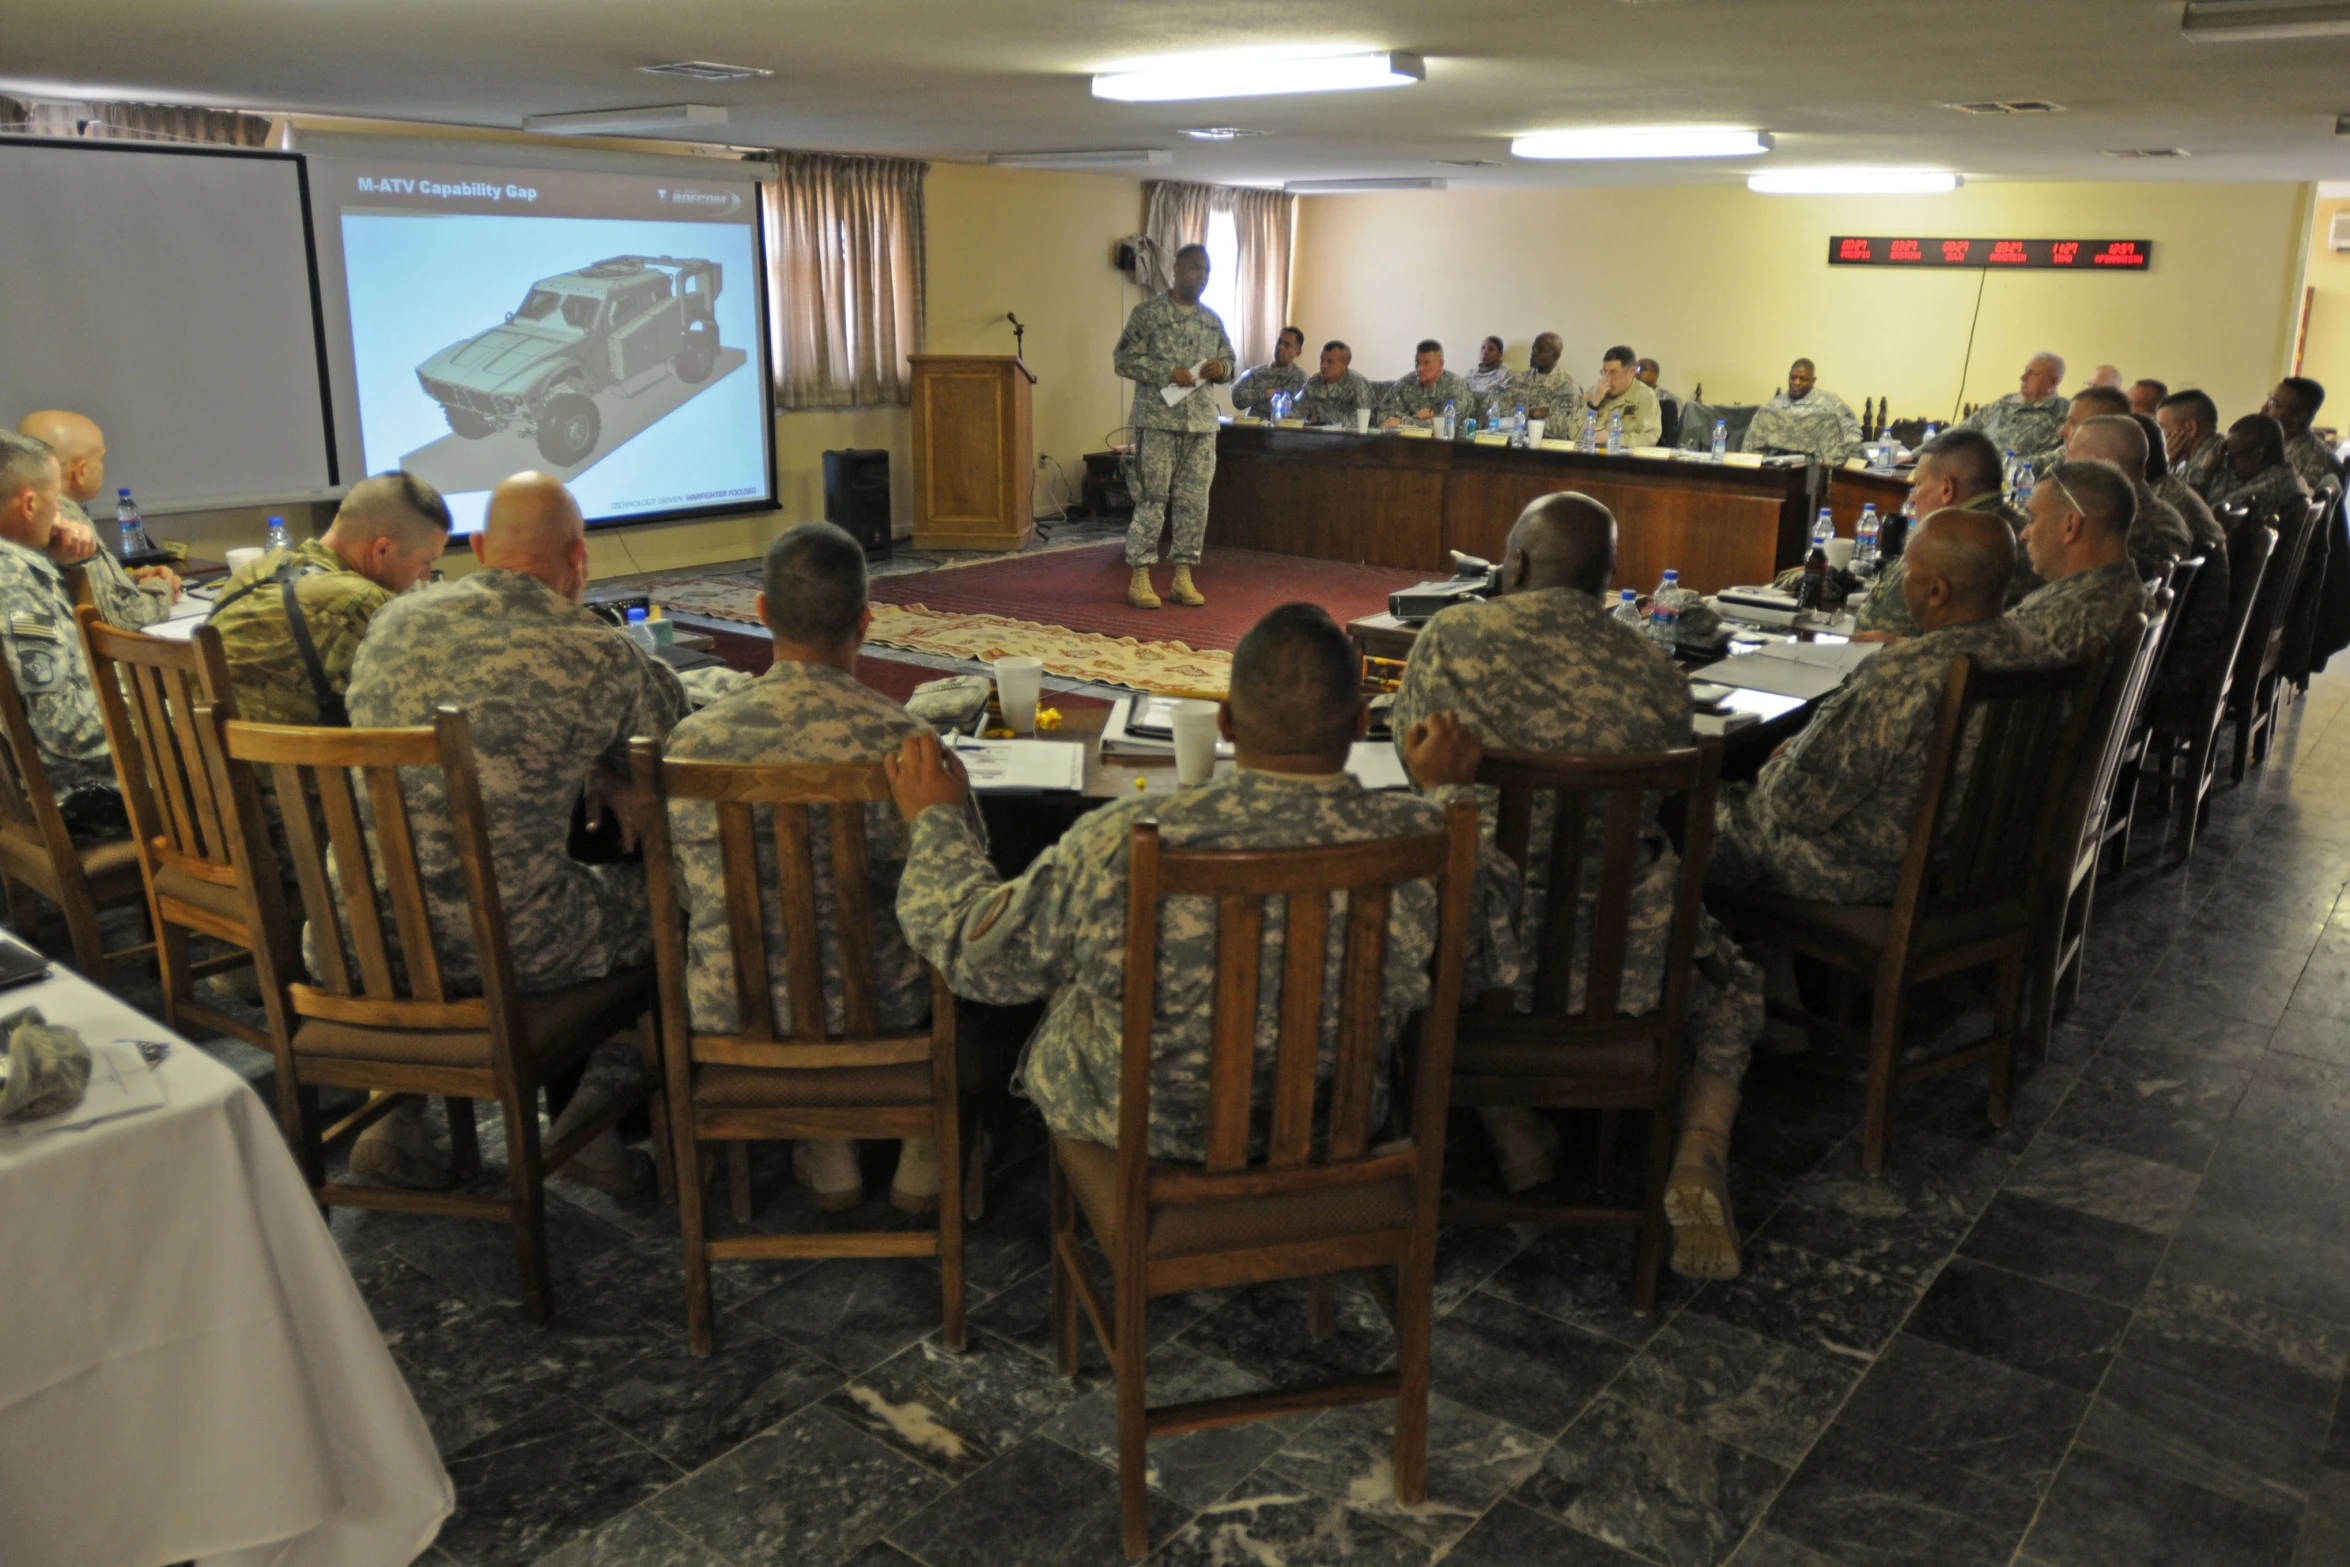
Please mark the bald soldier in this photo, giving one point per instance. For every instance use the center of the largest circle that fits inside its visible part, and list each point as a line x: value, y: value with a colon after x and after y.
x: 2025, y: 421
x: 1957, y: 469
x: 44, y: 647
x: 1804, y: 421
x: 1543, y: 389
x: 2079, y: 541
x: 552, y: 694
x: 131, y: 600
x: 1544, y: 668
x: 2101, y: 430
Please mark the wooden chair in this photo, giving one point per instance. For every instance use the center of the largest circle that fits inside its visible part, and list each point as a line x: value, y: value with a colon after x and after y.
x: 768, y: 1080
x: 2252, y: 700
x: 1976, y: 852
x: 2189, y: 583
x: 38, y: 854
x: 1594, y: 1057
x: 391, y: 1028
x: 148, y: 691
x: 1322, y: 1198
x: 2182, y: 751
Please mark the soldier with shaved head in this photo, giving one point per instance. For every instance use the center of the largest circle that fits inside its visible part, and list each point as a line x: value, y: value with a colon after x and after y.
x: 132, y: 600
x: 1804, y: 420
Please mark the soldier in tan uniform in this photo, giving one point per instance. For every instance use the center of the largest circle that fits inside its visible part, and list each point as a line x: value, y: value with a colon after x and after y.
x: 2079, y: 541
x: 807, y: 707
x: 1957, y: 469
x: 130, y: 600
x: 1619, y: 391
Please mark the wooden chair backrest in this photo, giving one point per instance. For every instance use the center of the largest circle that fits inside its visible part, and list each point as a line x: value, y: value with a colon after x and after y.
x: 2106, y: 739
x: 269, y: 920
x: 1612, y: 798
x: 149, y: 689
x: 29, y: 819
x: 374, y: 976
x: 1989, y: 840
x: 1304, y: 1150
x: 803, y: 804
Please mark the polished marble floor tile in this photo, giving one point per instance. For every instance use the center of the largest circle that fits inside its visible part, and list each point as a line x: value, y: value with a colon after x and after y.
x: 1267, y: 1520
x: 1515, y: 1536
x: 810, y: 1493
x: 637, y: 1538
x: 1811, y: 1302
x: 2108, y: 1512
x: 1039, y: 1504
x: 855, y: 1311
x: 1737, y: 1387
x: 1193, y: 1468
x: 1860, y: 1498
x: 541, y: 1480
x: 2101, y: 1181
x: 1348, y: 1456
x: 1502, y: 1359
x: 1584, y: 1277
x: 2062, y: 1246
x: 691, y: 1408
x: 1975, y: 1414
x: 2262, y: 1452
x: 2021, y: 1322
x: 953, y: 1412
x: 1652, y: 1485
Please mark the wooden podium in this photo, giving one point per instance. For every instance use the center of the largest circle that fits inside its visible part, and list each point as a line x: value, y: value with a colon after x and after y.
x: 974, y: 452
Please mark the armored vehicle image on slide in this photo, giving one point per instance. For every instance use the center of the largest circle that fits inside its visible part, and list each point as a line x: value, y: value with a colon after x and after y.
x: 575, y: 334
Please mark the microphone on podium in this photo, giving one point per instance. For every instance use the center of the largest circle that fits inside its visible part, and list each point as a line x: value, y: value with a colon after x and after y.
x: 1019, y: 336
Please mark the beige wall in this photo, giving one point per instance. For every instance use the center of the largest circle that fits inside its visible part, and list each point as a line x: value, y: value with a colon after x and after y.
x: 2326, y: 355
x: 1725, y: 287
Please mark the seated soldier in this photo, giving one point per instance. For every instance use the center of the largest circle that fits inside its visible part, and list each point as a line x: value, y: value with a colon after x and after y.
x: 1544, y: 390
x: 1253, y: 393
x: 1059, y: 929
x: 1334, y: 393
x: 1619, y: 391
x: 552, y: 693
x: 290, y: 623
x: 2254, y: 472
x: 807, y: 707
x: 131, y: 600
x: 2294, y: 405
x: 1959, y: 470
x: 2159, y: 536
x: 44, y: 647
x: 2079, y: 539
x: 2175, y: 492
x: 1544, y: 668
x: 1419, y: 399
x: 2191, y: 438
x: 1829, y: 817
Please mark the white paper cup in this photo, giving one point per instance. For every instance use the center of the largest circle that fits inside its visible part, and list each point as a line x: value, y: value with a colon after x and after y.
x: 1017, y: 682
x: 1195, y: 742
x: 1534, y: 431
x: 244, y: 555
x: 1362, y: 421
x: 1839, y: 552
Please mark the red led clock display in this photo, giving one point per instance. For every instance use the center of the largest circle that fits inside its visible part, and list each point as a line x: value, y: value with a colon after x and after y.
x: 2074, y: 255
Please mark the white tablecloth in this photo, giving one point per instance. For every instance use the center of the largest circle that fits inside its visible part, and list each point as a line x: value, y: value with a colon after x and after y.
x: 186, y: 1369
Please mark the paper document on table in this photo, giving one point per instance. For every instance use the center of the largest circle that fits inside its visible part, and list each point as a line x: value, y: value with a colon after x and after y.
x: 121, y: 1083
x: 1787, y: 677
x: 995, y: 765
x: 1840, y: 655
x: 1172, y: 394
x: 1376, y: 766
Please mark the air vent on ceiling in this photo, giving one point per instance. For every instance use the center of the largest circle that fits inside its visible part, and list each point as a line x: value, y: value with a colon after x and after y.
x: 2338, y: 237
x: 705, y: 70
x: 1218, y: 132
x: 2008, y: 106
x: 2148, y: 152
x: 1470, y: 163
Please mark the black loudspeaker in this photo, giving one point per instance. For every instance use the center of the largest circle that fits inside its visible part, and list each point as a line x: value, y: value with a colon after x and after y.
x: 856, y: 497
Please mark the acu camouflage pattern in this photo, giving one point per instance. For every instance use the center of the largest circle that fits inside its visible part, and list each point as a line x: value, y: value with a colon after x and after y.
x: 549, y: 691
x: 1821, y: 425
x: 1403, y: 398
x: 795, y: 712
x: 1253, y: 392
x: 52, y: 670
x: 2314, y: 461
x: 1550, y: 671
x: 2088, y: 606
x: 1160, y: 337
x: 1555, y: 390
x: 1059, y: 931
x: 1173, y: 471
x: 2275, y: 491
x: 1829, y: 817
x: 2159, y: 538
x: 265, y: 668
x: 2023, y: 425
x: 1335, y: 402
x: 122, y: 603
x: 48, y: 1067
x: 2202, y: 467
x: 1644, y: 420
x: 1885, y: 609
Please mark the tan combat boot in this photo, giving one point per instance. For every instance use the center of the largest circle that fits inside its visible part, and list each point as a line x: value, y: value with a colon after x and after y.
x: 1138, y: 591
x: 1697, y: 1194
x: 1182, y: 592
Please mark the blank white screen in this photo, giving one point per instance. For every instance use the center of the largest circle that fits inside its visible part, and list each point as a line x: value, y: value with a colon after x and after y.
x: 166, y: 294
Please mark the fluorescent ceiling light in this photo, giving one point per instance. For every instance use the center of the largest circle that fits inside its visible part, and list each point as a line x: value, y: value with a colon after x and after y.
x: 707, y: 70
x: 1255, y: 73
x: 1643, y: 141
x: 1352, y: 187
x: 1853, y: 182
x: 1098, y: 158
x: 2247, y: 21
x: 1218, y: 132
x: 629, y: 122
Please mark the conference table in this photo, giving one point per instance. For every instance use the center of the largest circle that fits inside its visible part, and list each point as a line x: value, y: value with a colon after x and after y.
x: 190, y: 1373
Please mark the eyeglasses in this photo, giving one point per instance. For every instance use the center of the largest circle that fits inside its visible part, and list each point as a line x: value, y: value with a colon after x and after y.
x: 2066, y: 490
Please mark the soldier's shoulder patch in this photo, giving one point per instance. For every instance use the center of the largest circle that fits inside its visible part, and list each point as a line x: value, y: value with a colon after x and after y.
x: 33, y: 623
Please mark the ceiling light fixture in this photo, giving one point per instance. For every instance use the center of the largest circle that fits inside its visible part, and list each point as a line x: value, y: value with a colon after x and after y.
x: 1094, y: 158
x: 1218, y: 132
x: 1645, y: 141
x: 2148, y: 152
x: 629, y: 122
x: 2253, y: 21
x: 1255, y: 73
x: 1853, y: 182
x: 1356, y: 187
x: 706, y: 70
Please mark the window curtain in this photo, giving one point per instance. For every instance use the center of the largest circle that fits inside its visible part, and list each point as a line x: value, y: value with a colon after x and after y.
x: 846, y: 285
x: 176, y: 122
x: 1175, y: 214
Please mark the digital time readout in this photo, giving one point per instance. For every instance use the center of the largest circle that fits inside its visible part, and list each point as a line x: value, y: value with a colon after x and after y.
x: 2075, y: 255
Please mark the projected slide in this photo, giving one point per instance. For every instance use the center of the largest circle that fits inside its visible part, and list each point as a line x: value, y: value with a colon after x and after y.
x: 619, y: 353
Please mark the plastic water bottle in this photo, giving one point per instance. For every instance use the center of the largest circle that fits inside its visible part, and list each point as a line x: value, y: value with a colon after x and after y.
x: 639, y: 629
x: 1615, y: 434
x: 1445, y: 423
x: 1590, y: 437
x: 1664, y: 609
x: 1518, y: 426
x: 1865, y: 533
x: 1823, y: 529
x: 1721, y: 438
x: 1627, y: 609
x: 1469, y: 428
x: 130, y: 528
x: 279, y: 538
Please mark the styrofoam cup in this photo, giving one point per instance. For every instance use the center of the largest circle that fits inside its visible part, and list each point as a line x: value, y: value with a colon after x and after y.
x: 1839, y: 552
x: 1195, y: 742
x: 1017, y: 682
x: 1362, y: 421
x: 1534, y: 431
x: 244, y: 555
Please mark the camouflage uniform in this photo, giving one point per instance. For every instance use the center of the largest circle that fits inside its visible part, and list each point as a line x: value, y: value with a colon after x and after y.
x: 1059, y: 930
x: 2274, y: 491
x: 1886, y: 610
x: 2159, y: 538
x: 1403, y: 399
x: 1830, y: 816
x: 1174, y: 448
x: 796, y: 712
x: 1253, y: 392
x: 265, y: 667
x: 124, y: 604
x: 2088, y: 606
x: 1644, y: 421
x: 2022, y: 425
x: 2200, y: 468
x: 1820, y: 425
x: 549, y: 690
x: 1489, y: 386
x: 1335, y: 402
x: 2313, y: 460
x: 2201, y: 644
x: 52, y: 671
x: 1550, y: 671
x: 1553, y: 389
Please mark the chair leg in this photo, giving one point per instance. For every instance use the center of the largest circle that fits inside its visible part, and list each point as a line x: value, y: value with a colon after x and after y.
x: 657, y: 1105
x: 1610, y: 1142
x: 1415, y: 1316
x: 949, y: 1121
x: 738, y: 1180
x: 1131, y: 1309
x: 298, y: 1108
x: 1322, y: 1308
x: 89, y: 948
x: 2008, y: 1004
x: 698, y: 1316
x: 1061, y: 1223
x: 464, y: 1142
x: 1648, y: 1253
x: 529, y: 1213
x: 1884, y: 1058
x: 171, y: 965
x: 2240, y: 753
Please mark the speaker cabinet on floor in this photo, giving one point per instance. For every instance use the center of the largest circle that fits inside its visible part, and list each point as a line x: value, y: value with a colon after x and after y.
x: 856, y: 496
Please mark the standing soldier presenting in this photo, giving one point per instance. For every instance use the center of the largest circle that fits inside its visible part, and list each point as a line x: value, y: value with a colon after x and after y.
x: 1175, y: 344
